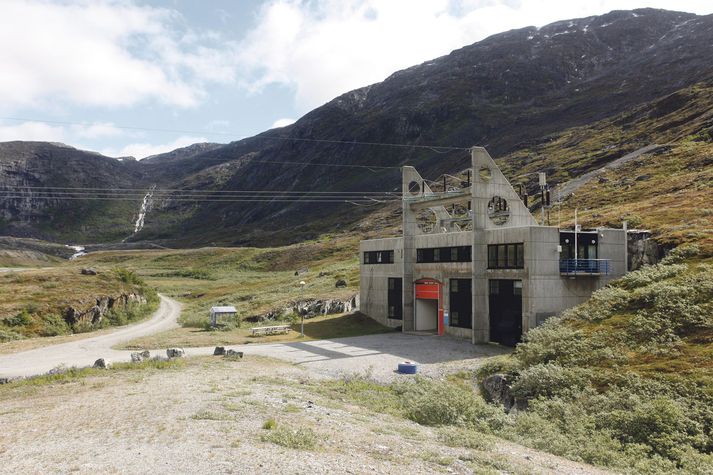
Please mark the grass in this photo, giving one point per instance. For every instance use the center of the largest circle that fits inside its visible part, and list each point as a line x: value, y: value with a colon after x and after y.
x: 328, y: 326
x: 301, y: 438
x: 74, y: 374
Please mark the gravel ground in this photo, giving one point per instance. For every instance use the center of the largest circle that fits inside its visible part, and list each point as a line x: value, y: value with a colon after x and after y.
x: 208, y: 417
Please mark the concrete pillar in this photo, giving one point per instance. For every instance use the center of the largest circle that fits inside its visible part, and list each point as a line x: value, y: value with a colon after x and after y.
x: 479, y: 205
x: 409, y: 175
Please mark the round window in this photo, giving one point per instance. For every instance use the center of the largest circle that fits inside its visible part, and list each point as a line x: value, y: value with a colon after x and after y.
x: 498, y: 210
x: 414, y: 188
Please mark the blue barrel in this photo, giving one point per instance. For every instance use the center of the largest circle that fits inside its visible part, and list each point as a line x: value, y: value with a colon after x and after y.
x: 408, y: 367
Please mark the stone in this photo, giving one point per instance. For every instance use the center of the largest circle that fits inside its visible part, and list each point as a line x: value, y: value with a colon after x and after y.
x: 234, y: 355
x: 497, y: 390
x: 219, y: 351
x: 89, y: 271
x: 5, y: 381
x: 341, y: 283
x: 139, y: 356
x: 101, y: 363
x: 175, y: 353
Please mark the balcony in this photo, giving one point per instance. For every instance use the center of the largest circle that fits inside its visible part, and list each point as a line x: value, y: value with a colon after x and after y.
x: 584, y: 267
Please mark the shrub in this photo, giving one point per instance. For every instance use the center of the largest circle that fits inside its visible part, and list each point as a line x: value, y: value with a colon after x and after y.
x: 650, y: 274
x: 128, y: 276
x: 550, y: 380
x: 681, y: 253
x: 504, y: 364
x: 20, y: 320
x: 435, y: 403
x: 9, y: 335
x: 270, y: 424
x: 53, y: 325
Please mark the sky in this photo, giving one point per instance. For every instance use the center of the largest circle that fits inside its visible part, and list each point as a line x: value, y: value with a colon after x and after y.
x: 138, y: 77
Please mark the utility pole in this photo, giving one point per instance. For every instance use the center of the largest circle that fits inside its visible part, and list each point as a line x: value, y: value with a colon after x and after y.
x: 302, y: 294
x: 543, y: 185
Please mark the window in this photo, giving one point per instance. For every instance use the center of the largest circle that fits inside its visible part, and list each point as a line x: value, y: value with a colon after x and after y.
x: 506, y: 256
x: 460, y: 298
x: 394, y: 298
x: 378, y: 257
x: 443, y: 254
x: 586, y: 245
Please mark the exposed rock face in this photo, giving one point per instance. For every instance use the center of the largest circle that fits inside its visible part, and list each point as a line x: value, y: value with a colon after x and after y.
x: 642, y: 250
x: 101, y: 306
x: 310, y: 308
x: 497, y: 390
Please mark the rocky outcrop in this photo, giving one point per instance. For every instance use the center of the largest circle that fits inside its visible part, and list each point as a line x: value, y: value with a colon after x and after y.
x: 97, y: 310
x: 310, y: 308
x: 496, y: 388
x: 642, y: 250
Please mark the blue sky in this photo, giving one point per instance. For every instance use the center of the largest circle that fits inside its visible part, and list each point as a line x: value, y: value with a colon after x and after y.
x: 82, y: 71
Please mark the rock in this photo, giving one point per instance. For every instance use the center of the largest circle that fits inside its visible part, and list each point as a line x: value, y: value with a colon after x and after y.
x: 101, y: 363
x: 642, y: 178
x: 89, y: 271
x: 175, y: 353
x: 5, y: 380
x: 340, y: 283
x: 138, y: 357
x: 234, y: 355
x: 497, y: 390
x: 322, y: 274
x: 219, y: 351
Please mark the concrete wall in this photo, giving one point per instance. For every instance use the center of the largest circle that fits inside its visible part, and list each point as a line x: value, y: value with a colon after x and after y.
x: 374, y: 280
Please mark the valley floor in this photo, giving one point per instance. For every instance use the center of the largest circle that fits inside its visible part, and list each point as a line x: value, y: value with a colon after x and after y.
x: 209, y: 415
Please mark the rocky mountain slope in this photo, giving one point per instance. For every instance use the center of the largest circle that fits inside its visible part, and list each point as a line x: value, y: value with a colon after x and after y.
x: 586, y: 85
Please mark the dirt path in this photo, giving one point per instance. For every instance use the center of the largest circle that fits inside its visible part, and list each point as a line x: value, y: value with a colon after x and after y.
x: 84, y: 352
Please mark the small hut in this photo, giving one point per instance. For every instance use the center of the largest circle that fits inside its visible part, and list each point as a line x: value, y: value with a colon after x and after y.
x: 221, y: 312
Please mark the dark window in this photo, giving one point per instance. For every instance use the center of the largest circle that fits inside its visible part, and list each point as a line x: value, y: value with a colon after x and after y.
x: 586, y: 245
x: 443, y: 254
x: 460, y: 298
x: 394, y: 298
x: 506, y: 256
x: 378, y: 257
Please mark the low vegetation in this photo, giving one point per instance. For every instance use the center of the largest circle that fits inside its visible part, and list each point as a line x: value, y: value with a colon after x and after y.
x: 40, y: 301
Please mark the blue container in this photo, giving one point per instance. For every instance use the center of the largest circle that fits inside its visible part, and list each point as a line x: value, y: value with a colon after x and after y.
x: 408, y: 367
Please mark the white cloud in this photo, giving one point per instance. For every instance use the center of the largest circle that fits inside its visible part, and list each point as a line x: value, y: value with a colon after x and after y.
x: 326, y: 48
x: 32, y: 131
x: 103, y: 53
x: 143, y: 150
x: 97, y: 130
x: 282, y: 123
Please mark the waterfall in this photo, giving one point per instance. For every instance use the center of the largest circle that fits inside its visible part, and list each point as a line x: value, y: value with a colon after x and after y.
x: 145, y: 207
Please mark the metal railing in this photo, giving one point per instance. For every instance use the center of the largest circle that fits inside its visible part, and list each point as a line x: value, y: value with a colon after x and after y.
x: 584, y: 266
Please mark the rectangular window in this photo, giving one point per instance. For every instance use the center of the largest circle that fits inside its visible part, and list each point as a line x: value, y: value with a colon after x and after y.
x: 429, y: 255
x: 506, y: 256
x: 378, y: 257
x: 394, y: 298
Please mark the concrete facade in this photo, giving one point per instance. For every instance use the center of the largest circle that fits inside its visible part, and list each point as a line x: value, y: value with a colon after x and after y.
x: 537, y: 281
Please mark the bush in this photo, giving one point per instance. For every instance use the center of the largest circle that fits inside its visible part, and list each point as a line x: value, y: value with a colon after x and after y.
x: 681, y: 253
x: 550, y: 380
x: 20, y: 320
x: 9, y: 335
x: 435, y: 403
x: 650, y: 274
x: 128, y: 276
x: 53, y: 325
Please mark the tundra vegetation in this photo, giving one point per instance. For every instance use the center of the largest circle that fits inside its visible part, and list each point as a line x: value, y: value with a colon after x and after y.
x: 40, y: 301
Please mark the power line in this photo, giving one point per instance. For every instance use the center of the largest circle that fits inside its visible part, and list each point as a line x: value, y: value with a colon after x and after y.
x: 230, y: 200
x: 434, y: 148
x: 179, y: 190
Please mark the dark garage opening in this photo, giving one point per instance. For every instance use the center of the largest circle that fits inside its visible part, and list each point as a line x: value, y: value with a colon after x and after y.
x: 505, y: 299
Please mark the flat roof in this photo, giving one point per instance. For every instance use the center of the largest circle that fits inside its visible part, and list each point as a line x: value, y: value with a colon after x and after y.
x: 223, y: 309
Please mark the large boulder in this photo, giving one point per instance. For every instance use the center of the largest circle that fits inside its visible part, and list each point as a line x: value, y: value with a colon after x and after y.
x: 497, y: 390
x: 234, y: 355
x: 139, y: 356
x: 341, y: 283
x: 175, y: 353
x: 219, y: 351
x: 101, y: 363
x: 89, y: 271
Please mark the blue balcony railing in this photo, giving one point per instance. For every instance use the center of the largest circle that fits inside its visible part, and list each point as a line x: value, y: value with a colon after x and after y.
x: 584, y: 266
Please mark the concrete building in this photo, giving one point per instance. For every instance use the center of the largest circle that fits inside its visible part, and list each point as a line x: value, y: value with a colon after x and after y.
x: 493, y: 282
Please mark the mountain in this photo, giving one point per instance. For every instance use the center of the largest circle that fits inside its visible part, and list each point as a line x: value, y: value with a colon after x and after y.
x: 587, y: 85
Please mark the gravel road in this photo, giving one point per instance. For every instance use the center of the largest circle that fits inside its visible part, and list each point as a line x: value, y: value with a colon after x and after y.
x: 85, y: 352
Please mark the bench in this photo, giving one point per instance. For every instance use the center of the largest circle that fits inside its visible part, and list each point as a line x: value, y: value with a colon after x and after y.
x: 274, y: 330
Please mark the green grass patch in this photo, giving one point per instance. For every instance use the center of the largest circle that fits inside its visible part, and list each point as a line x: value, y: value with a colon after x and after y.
x: 302, y: 438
